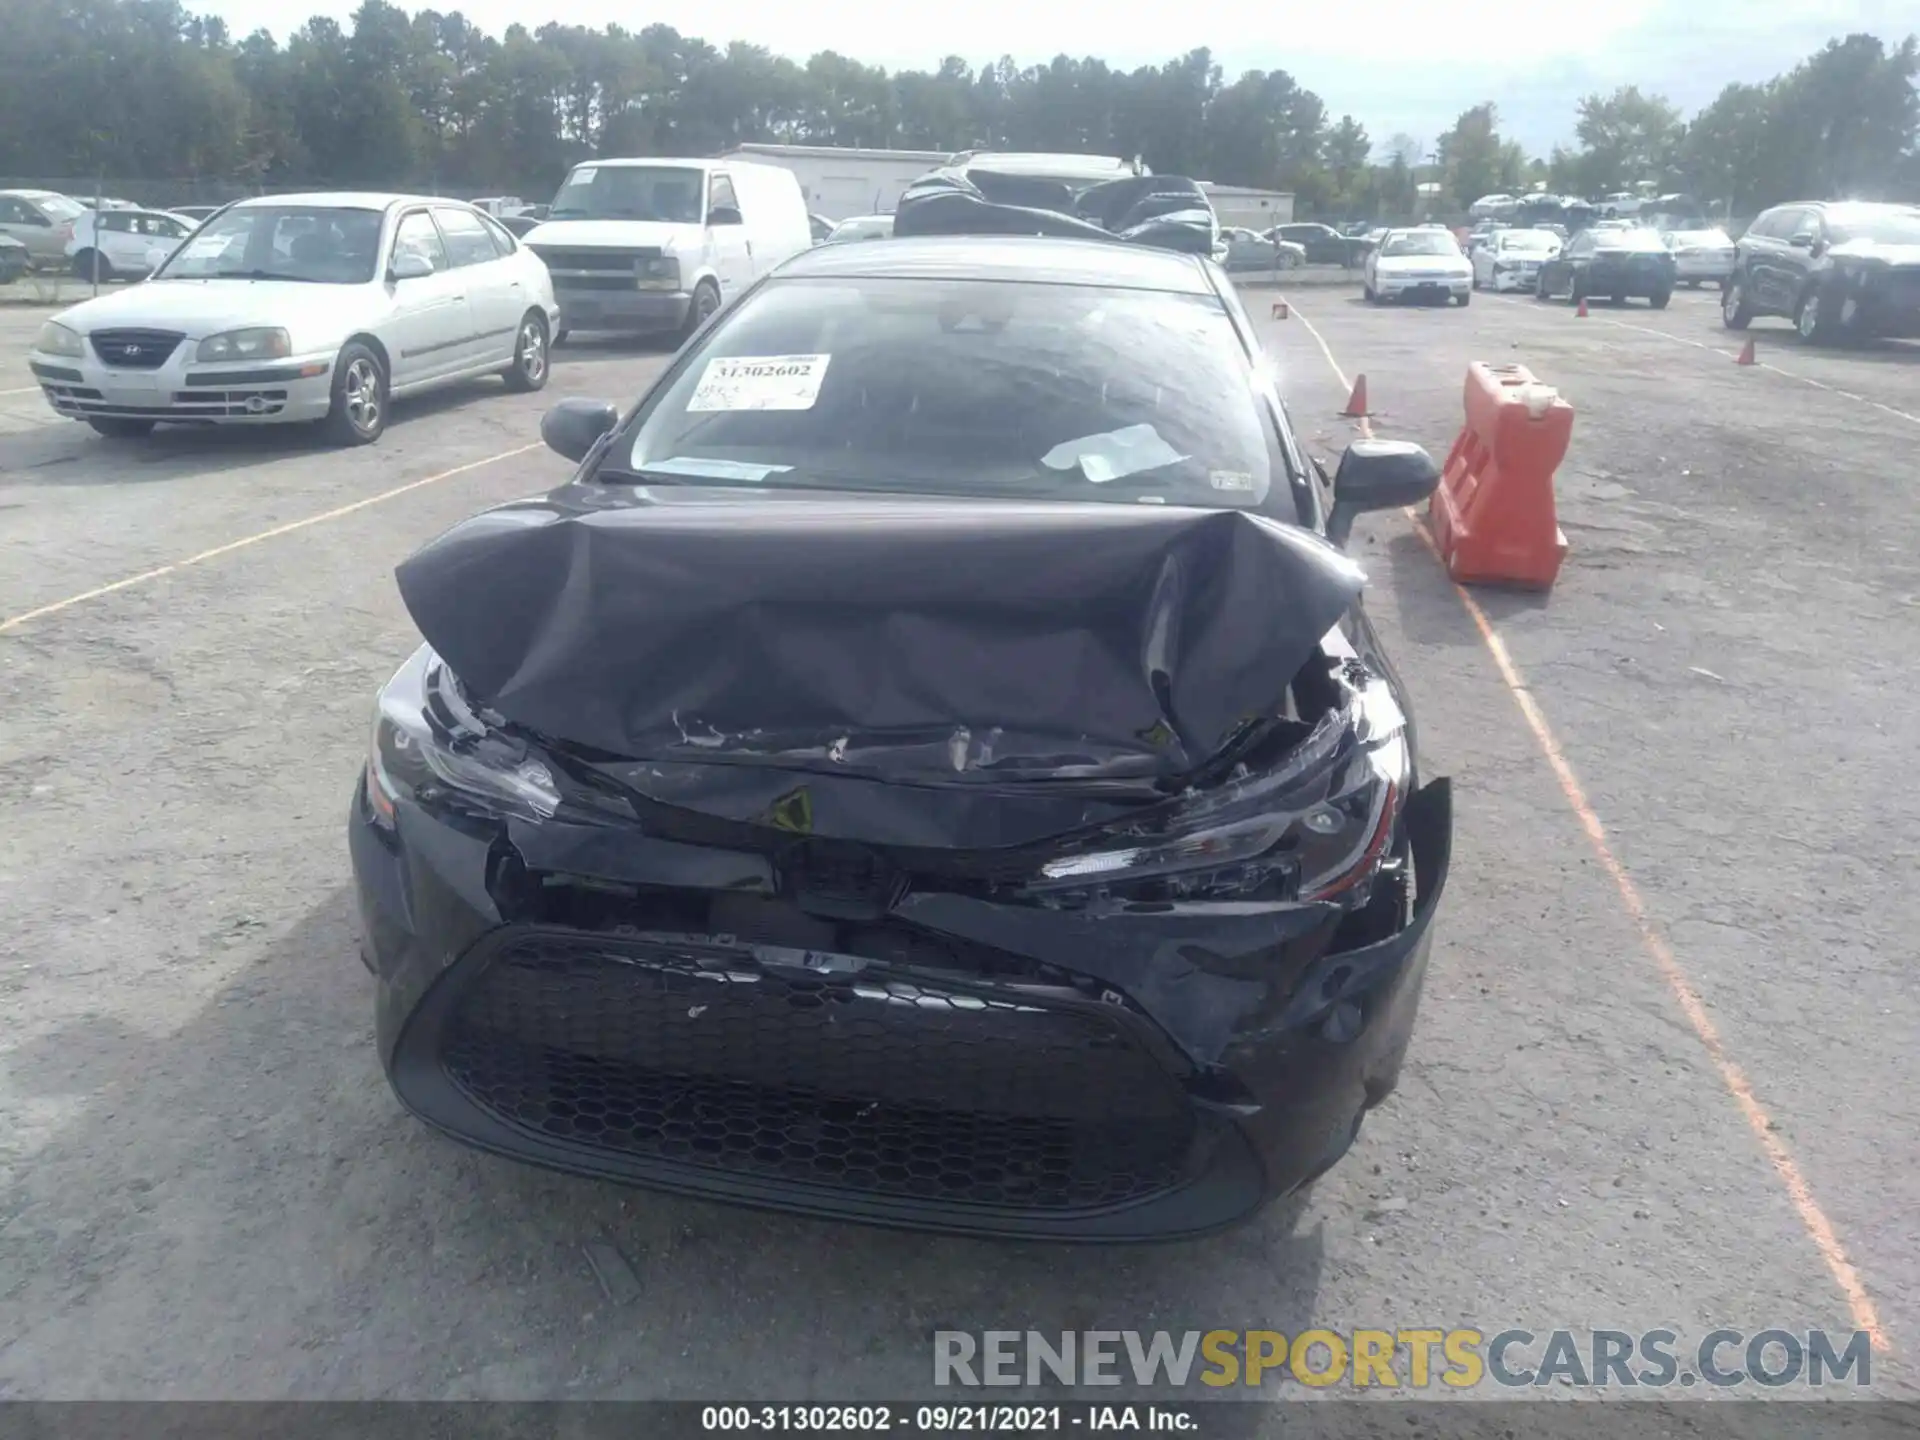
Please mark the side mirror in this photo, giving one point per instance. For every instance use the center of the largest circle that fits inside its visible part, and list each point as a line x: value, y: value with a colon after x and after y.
x: 1378, y: 475
x: 1802, y: 241
x: 410, y: 265
x: 573, y: 427
x: 723, y: 215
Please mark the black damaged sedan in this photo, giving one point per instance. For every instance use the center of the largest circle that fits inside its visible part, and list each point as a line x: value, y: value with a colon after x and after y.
x: 930, y: 767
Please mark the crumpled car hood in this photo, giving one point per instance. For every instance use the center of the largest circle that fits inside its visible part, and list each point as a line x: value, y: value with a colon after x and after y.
x: 943, y: 641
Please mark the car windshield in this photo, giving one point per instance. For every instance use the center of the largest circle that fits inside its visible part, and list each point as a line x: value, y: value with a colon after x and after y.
x: 871, y: 228
x: 1529, y: 242
x: 968, y: 387
x: 670, y: 193
x: 1893, y: 227
x: 59, y: 208
x: 1629, y: 239
x: 331, y: 245
x: 1421, y: 242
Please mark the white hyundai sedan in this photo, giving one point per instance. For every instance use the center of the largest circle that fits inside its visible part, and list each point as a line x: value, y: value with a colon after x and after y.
x: 305, y: 307
x: 1422, y: 264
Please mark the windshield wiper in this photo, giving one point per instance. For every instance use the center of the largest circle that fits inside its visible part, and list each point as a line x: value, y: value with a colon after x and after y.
x: 265, y: 275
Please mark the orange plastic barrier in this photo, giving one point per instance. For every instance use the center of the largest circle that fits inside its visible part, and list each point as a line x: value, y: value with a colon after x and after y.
x: 1492, y: 514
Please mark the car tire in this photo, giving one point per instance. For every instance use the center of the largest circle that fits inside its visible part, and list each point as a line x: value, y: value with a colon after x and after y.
x: 1735, y: 312
x: 360, y: 390
x: 1540, y: 287
x: 529, y: 369
x: 83, y: 266
x: 1659, y: 299
x: 1813, y: 320
x: 1466, y: 300
x: 706, y: 300
x: 116, y: 427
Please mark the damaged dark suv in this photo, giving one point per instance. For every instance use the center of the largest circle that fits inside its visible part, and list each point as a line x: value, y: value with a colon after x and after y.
x: 929, y: 767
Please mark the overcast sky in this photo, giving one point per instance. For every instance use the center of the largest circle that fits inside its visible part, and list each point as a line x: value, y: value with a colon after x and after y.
x: 1394, y: 66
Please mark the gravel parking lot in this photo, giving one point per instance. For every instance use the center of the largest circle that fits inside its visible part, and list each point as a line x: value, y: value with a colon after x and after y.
x: 1664, y: 1070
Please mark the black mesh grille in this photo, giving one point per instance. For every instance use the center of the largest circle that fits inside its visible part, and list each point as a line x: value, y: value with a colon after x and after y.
x: 872, y: 1082
x: 135, y: 349
x: 621, y: 261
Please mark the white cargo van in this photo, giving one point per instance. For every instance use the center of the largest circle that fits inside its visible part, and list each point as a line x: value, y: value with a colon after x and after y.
x: 652, y: 245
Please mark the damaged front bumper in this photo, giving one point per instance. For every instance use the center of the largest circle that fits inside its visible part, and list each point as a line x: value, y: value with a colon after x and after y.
x: 614, y: 1004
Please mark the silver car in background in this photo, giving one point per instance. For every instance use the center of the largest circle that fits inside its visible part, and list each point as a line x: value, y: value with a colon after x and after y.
x: 1510, y: 259
x: 305, y: 308
x: 1701, y: 256
x: 41, y: 220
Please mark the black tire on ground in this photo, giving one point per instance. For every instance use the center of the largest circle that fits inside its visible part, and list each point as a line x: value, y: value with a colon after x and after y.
x: 1735, y: 312
x: 360, y: 384
x: 1466, y: 299
x: 529, y: 369
x: 83, y: 266
x: 1540, y: 287
x: 116, y: 427
x: 1814, y: 321
x: 706, y: 300
x: 1659, y: 299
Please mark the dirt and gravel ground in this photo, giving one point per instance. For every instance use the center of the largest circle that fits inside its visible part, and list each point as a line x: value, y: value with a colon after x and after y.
x: 207, y: 1190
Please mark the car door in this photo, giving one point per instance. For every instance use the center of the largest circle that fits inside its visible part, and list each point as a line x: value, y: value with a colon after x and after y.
x: 161, y: 235
x: 1800, y: 256
x: 1766, y: 260
x: 496, y: 299
x: 728, y: 241
x: 431, y: 329
x: 24, y: 223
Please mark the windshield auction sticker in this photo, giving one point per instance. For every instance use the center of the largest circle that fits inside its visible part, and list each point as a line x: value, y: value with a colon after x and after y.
x: 760, y: 382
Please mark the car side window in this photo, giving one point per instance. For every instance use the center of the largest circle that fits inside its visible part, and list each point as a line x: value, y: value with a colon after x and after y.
x: 117, y: 221
x: 503, y: 240
x: 720, y: 195
x: 468, y: 242
x: 416, y: 235
x: 12, y: 212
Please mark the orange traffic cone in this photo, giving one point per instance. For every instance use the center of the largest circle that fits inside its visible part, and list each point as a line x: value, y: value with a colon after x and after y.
x: 1746, y: 355
x: 1581, y: 313
x: 1357, y: 402
x: 1279, y: 309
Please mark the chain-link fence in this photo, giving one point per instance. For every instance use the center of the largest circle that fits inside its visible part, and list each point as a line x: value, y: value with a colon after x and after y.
x: 166, y: 194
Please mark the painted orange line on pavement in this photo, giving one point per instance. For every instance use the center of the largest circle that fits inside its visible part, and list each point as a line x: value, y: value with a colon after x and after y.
x: 1813, y: 1218
x: 27, y: 617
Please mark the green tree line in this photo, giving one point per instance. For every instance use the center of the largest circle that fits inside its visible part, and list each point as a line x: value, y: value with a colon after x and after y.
x: 146, y: 89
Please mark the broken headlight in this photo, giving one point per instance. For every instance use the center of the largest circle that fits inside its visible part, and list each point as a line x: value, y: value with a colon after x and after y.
x: 1315, y: 827
x: 430, y: 747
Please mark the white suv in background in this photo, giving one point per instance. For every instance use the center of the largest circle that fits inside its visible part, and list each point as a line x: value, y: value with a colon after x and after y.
x: 126, y: 244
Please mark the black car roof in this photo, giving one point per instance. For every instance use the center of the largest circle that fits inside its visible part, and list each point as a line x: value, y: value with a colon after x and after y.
x: 1041, y: 259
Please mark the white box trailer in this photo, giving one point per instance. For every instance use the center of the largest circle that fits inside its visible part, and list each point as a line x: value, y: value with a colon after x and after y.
x: 841, y: 181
